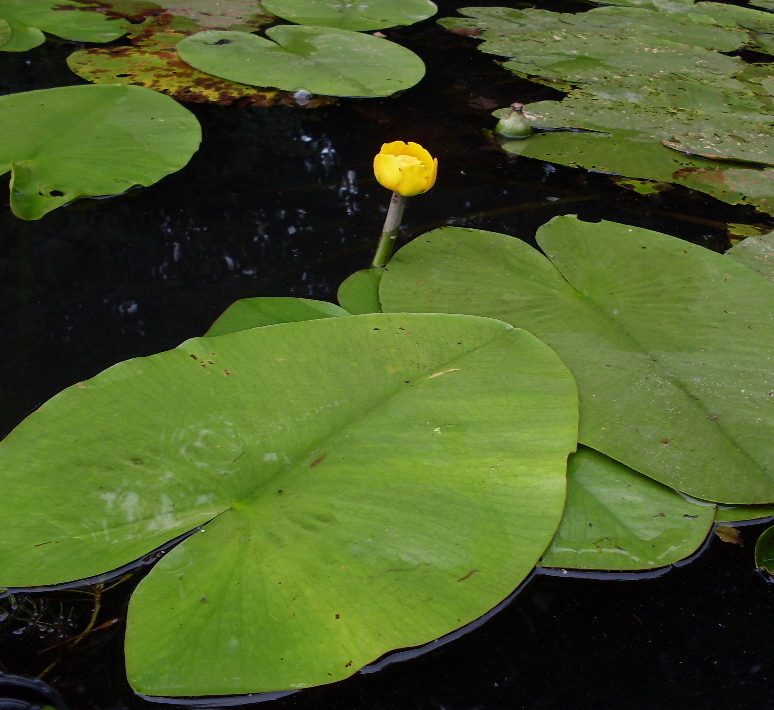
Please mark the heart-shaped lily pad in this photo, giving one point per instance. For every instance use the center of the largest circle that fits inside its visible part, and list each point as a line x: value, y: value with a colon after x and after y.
x: 78, y: 141
x: 314, y: 59
x: 356, y: 16
x: 366, y: 483
x: 671, y: 344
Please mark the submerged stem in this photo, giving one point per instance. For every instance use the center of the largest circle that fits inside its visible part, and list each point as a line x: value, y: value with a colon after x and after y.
x: 389, y: 231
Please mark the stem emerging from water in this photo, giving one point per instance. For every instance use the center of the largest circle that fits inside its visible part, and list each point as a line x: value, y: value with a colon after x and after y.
x: 389, y: 231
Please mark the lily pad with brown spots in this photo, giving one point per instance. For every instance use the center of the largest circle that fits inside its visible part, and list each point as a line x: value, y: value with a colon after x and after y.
x: 152, y: 61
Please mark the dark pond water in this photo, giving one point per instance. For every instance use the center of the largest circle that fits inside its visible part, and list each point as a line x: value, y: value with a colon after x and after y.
x: 283, y: 202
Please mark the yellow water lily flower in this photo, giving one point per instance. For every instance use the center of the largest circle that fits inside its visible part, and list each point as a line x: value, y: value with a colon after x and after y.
x: 405, y: 168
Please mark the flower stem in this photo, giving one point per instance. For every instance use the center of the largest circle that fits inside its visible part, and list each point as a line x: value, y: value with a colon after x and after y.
x: 389, y: 231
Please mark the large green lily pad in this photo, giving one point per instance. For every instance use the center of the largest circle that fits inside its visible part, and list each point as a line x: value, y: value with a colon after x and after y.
x: 68, y: 19
x: 318, y: 60
x: 78, y: 141
x: 356, y: 16
x: 617, y: 519
x: 366, y: 483
x: 670, y: 343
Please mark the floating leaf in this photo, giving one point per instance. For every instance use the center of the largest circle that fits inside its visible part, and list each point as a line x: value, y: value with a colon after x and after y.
x: 367, y: 483
x: 78, y: 141
x: 245, y: 15
x: 617, y: 519
x: 742, y: 513
x: 256, y: 312
x: 23, y: 37
x: 318, y: 60
x: 68, y: 19
x: 644, y: 75
x: 502, y: 28
x: 764, y: 550
x: 741, y: 145
x: 729, y: 534
x: 756, y: 253
x: 670, y: 343
x: 356, y: 16
x: 359, y: 293
x: 152, y: 61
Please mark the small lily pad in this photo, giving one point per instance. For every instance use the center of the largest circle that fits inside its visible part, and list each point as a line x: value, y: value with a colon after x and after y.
x: 314, y: 59
x: 618, y: 519
x: 84, y: 141
x: 356, y: 16
x: 359, y: 293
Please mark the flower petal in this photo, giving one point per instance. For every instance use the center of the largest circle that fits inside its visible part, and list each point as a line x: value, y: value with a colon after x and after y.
x: 387, y: 170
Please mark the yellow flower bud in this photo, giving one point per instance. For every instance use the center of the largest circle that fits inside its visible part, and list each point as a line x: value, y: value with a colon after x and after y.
x: 405, y: 168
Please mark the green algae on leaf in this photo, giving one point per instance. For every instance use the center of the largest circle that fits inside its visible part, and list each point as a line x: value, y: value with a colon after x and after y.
x: 356, y: 16
x: 313, y: 59
x: 366, y: 483
x: 260, y: 311
x: 618, y: 519
x: 670, y: 343
x: 86, y: 141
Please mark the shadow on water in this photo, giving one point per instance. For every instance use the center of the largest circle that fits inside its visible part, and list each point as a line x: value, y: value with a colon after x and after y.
x: 283, y: 202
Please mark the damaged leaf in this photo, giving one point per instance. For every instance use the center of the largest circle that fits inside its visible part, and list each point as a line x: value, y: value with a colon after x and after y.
x: 85, y: 141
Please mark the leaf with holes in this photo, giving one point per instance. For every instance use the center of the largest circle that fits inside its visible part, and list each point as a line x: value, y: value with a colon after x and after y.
x: 83, y: 141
